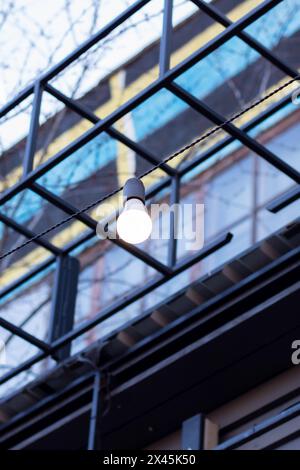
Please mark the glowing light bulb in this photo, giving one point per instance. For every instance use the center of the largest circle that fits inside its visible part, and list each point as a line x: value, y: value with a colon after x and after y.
x: 134, y: 224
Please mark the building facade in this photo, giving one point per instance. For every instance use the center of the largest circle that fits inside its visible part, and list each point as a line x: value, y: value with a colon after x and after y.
x: 170, y: 348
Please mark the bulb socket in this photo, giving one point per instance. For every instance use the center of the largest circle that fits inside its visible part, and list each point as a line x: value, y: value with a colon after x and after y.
x: 134, y: 189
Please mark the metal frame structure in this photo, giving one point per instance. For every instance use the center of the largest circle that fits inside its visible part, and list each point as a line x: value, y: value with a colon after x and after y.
x: 262, y: 428
x: 65, y: 334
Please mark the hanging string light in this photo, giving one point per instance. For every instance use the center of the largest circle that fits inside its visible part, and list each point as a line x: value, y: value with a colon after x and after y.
x: 134, y: 224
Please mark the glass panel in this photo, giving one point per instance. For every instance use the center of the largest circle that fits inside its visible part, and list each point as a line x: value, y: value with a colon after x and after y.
x: 230, y: 78
x: 242, y: 239
x: 286, y: 144
x: 279, y: 29
x: 110, y: 276
x: 21, y: 262
x: 268, y: 223
x: 164, y: 124
x: 59, y: 126
x: 226, y: 190
x: 193, y: 33
x: 29, y: 306
x: 270, y: 182
x: 14, y: 127
x: 17, y: 350
x: 86, y: 174
x: 91, y: 68
x: 28, y: 208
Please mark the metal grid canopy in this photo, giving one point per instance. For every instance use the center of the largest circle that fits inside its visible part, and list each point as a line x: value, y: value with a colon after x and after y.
x: 64, y: 334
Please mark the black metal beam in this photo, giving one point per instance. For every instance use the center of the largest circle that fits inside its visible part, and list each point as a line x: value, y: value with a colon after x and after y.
x: 26, y: 232
x: 94, y: 442
x: 111, y: 131
x: 260, y: 429
x: 64, y: 205
x: 217, y: 15
x: 30, y: 275
x: 190, y: 165
x: 284, y: 200
x: 166, y: 38
x: 188, y: 261
x: 24, y: 335
x: 31, y: 141
x: 174, y: 201
x: 12, y: 104
x: 28, y: 318
x: 63, y: 301
x: 236, y: 132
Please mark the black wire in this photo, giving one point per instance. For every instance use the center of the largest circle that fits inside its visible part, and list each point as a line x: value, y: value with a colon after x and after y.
x: 163, y: 162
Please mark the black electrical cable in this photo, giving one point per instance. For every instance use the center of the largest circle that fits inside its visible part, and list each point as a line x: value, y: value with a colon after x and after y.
x: 163, y: 162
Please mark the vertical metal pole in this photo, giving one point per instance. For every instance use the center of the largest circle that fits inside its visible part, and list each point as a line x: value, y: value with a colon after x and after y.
x: 33, y: 130
x: 165, y: 44
x: 94, y: 434
x: 255, y: 189
x: 174, y: 200
x: 192, y: 433
x: 63, y: 302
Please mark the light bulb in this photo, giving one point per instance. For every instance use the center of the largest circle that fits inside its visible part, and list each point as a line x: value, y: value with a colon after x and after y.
x: 134, y: 224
